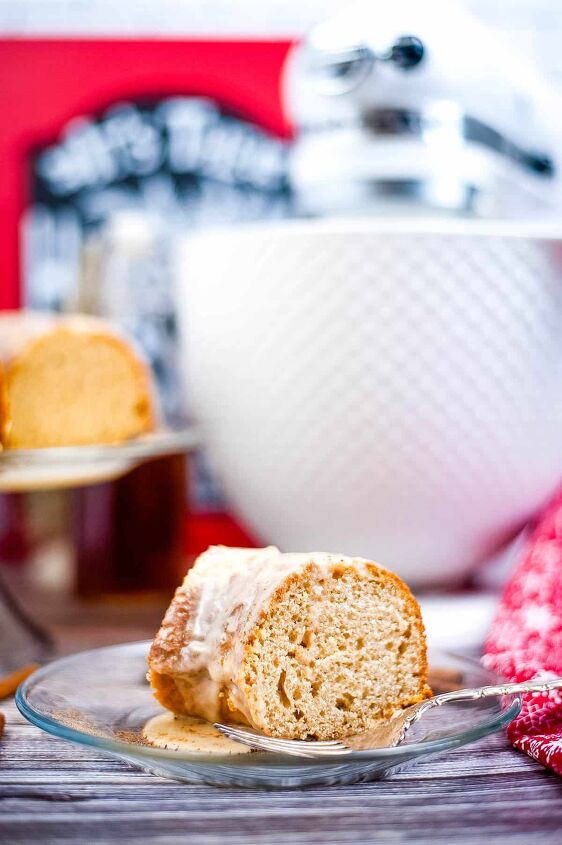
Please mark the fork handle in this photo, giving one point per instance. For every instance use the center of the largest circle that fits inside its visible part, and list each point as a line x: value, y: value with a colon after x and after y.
x: 500, y: 689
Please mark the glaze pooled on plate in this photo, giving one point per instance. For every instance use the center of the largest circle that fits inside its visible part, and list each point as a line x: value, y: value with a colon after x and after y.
x: 189, y: 734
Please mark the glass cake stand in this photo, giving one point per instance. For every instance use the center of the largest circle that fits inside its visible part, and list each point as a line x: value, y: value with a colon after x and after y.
x: 22, y: 639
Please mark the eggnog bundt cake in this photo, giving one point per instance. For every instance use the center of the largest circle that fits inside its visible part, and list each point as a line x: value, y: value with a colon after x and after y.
x: 295, y: 645
x: 69, y: 380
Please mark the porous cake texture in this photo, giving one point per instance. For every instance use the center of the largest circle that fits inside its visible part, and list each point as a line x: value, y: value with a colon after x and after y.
x: 69, y: 380
x: 295, y: 645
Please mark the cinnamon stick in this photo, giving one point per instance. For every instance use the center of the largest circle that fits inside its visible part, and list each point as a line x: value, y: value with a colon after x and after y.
x: 9, y: 683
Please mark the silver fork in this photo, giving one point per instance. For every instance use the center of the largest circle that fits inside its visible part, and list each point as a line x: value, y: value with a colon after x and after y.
x: 387, y: 734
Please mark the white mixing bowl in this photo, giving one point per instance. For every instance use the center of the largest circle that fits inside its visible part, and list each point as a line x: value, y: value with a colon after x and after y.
x: 390, y: 389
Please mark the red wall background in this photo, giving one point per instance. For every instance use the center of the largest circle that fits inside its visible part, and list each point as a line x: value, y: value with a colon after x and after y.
x: 44, y: 83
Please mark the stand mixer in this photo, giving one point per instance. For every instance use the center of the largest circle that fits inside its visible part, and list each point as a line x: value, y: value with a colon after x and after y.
x: 419, y: 108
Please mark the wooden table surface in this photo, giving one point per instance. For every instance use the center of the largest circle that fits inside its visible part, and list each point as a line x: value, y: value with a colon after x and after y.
x: 52, y: 792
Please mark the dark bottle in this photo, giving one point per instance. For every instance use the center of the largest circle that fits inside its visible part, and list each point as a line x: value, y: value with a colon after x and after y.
x: 130, y: 534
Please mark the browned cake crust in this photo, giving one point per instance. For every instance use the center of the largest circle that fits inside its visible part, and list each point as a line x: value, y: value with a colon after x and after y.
x: 238, y: 680
x: 173, y: 636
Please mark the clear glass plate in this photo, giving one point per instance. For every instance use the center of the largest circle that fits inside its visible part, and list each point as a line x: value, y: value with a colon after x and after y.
x: 101, y: 699
x: 73, y: 466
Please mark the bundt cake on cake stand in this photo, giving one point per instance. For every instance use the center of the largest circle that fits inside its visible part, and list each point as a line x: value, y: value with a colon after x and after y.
x: 77, y: 407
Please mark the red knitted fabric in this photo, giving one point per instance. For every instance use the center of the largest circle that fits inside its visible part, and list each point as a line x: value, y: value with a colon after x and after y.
x: 525, y: 640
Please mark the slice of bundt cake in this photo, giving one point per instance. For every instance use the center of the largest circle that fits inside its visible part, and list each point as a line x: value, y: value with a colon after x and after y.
x: 69, y: 380
x: 295, y: 645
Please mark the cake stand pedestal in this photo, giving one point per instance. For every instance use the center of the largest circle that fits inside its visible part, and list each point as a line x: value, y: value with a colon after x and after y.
x: 23, y: 639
